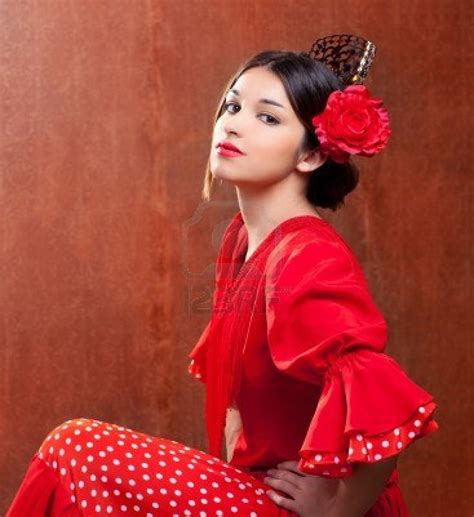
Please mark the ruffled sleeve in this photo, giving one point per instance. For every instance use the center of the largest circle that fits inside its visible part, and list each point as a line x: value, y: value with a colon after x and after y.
x: 324, y: 328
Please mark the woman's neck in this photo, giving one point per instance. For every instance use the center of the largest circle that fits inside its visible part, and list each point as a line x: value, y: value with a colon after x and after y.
x: 261, y: 214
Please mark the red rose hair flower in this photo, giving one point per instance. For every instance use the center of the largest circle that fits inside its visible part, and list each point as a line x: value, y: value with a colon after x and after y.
x: 352, y: 122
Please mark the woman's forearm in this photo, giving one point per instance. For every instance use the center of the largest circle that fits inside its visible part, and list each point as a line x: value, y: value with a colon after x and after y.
x: 357, y: 493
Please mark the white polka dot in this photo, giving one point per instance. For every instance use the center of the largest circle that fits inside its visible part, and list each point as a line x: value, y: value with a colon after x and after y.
x: 132, y: 482
x: 77, y: 432
x: 399, y: 445
x: 77, y: 447
x: 369, y: 446
x: 396, y: 432
x: 68, y: 441
x: 385, y: 444
x: 136, y: 507
x: 63, y: 471
x: 84, y: 503
x: 90, y: 458
x: 93, y: 492
x: 411, y: 434
x: 102, y: 454
x: 97, y: 508
x: 93, y: 477
x: 150, y: 491
x: 123, y: 508
x: 116, y: 492
x: 80, y: 484
x: 421, y: 409
x: 351, y: 451
x: 359, y: 437
x: 417, y: 423
x: 378, y: 457
x: 234, y: 509
x: 336, y: 459
x: 155, y: 504
x: 105, y: 493
x: 139, y: 497
x: 118, y: 481
x: 318, y: 457
x: 109, y: 509
x: 51, y: 450
x: 364, y: 450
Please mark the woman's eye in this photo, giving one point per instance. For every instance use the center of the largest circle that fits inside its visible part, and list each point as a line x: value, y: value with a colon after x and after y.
x: 271, y: 120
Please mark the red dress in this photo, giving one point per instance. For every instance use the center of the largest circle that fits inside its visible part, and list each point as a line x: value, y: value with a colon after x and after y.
x: 296, y: 341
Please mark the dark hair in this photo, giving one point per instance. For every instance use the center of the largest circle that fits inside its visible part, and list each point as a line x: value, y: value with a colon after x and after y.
x: 308, y: 84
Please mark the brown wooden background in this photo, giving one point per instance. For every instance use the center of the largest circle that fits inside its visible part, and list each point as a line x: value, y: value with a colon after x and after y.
x: 107, y: 251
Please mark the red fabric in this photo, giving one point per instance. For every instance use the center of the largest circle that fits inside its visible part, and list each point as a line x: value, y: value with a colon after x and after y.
x: 42, y: 494
x: 308, y: 342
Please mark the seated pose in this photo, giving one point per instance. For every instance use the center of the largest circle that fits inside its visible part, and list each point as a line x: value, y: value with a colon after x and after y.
x: 312, y: 411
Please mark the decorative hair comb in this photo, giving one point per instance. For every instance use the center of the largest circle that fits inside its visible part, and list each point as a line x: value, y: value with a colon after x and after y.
x: 348, y: 56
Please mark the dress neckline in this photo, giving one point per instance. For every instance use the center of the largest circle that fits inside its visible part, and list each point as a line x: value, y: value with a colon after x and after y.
x: 287, y: 224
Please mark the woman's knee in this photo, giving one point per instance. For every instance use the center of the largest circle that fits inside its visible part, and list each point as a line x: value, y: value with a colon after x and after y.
x: 71, y: 435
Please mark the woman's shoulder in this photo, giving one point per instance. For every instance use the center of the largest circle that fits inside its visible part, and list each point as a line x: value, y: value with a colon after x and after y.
x: 314, y: 249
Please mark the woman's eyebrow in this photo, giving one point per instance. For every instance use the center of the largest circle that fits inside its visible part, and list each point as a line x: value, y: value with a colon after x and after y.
x: 264, y: 101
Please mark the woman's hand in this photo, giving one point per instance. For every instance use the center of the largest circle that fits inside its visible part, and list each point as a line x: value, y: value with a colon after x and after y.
x: 310, y: 496
x: 316, y: 496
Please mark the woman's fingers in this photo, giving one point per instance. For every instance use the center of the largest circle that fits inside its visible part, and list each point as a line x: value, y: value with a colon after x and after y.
x: 282, y: 501
x: 283, y: 480
x: 291, y: 466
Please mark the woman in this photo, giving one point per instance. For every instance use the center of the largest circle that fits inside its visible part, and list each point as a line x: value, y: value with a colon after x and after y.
x: 314, y: 413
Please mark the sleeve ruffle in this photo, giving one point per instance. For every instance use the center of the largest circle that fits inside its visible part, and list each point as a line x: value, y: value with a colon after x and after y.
x: 369, y: 410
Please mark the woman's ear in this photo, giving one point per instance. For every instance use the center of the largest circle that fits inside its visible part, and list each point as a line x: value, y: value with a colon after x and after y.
x: 310, y: 161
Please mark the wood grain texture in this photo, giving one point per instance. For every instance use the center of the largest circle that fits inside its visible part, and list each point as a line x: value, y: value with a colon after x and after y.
x: 107, y: 253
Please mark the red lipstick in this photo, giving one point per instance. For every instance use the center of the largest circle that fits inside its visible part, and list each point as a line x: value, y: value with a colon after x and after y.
x: 228, y: 149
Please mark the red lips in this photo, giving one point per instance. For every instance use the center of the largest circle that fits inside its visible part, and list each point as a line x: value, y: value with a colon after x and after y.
x: 229, y: 146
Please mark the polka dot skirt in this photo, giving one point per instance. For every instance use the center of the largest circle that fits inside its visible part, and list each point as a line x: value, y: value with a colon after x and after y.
x: 106, y: 469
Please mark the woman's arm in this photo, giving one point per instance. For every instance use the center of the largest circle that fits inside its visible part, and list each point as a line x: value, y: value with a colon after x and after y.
x: 357, y: 493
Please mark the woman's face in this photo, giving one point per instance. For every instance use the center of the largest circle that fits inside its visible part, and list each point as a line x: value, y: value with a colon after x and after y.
x: 268, y: 135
